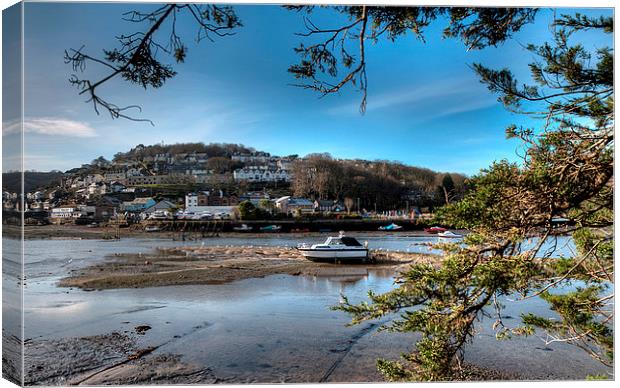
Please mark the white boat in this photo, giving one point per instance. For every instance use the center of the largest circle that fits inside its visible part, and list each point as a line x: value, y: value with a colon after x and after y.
x: 243, y: 228
x: 152, y: 228
x: 335, y: 248
x: 448, y: 234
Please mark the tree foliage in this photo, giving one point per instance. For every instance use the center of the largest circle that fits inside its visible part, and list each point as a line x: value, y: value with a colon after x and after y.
x: 138, y: 57
x: 381, y: 183
x: 566, y: 172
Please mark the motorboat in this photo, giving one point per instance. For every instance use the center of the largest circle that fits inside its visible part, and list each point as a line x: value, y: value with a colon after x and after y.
x: 152, y: 228
x: 243, y: 228
x: 449, y: 234
x: 390, y: 227
x: 271, y: 228
x: 435, y: 230
x: 336, y: 249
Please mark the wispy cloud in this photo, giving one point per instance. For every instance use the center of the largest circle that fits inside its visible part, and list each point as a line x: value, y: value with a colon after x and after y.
x: 433, y: 99
x: 50, y: 126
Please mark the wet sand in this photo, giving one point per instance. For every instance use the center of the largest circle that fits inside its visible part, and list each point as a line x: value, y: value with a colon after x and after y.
x: 116, y: 359
x: 215, y: 265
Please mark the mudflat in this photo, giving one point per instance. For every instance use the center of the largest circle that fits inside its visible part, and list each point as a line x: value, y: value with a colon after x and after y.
x: 215, y: 265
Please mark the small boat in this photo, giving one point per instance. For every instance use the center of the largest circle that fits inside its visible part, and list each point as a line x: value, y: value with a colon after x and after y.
x: 243, y: 228
x: 435, y: 230
x: 271, y: 228
x: 390, y: 227
x: 448, y: 234
x: 152, y: 228
x: 336, y: 249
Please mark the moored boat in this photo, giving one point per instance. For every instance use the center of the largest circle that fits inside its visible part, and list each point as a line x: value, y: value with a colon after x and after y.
x: 341, y: 248
x: 435, y: 230
x: 243, y: 228
x: 271, y: 228
x: 449, y: 234
x: 390, y: 227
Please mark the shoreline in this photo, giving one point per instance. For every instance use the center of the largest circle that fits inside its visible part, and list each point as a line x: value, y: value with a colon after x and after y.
x: 83, y: 232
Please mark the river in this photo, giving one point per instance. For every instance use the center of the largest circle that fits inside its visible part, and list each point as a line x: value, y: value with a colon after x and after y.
x: 273, y: 329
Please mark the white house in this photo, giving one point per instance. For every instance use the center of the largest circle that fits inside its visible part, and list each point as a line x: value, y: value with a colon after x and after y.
x: 191, y: 200
x: 63, y: 213
x: 261, y: 174
x: 291, y: 205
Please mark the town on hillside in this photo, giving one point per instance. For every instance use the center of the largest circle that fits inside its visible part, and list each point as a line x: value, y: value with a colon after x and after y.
x: 198, y: 182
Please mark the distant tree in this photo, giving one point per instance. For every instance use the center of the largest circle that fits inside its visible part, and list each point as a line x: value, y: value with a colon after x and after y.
x: 267, y: 206
x: 219, y: 164
x: 446, y: 189
x: 348, y: 203
x: 247, y: 210
x: 100, y: 162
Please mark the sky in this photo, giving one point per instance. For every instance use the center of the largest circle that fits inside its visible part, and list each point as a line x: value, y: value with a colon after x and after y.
x: 426, y: 106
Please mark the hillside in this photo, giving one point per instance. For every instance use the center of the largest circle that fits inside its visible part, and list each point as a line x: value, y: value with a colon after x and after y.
x: 11, y: 181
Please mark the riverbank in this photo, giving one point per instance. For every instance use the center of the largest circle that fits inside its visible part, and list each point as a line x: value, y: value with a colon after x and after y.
x: 71, y: 231
x: 185, y: 265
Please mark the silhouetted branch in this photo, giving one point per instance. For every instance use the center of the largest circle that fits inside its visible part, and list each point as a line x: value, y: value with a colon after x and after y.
x: 136, y: 60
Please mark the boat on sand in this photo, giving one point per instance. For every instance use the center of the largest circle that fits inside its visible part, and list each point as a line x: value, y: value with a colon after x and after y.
x: 339, y: 248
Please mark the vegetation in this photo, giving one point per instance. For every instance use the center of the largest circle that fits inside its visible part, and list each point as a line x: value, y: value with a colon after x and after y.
x: 212, y: 150
x: 377, y: 184
x: 247, y: 211
x: 566, y: 171
x: 33, y: 180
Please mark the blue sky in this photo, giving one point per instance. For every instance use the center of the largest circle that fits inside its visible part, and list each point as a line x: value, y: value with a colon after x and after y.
x: 425, y: 105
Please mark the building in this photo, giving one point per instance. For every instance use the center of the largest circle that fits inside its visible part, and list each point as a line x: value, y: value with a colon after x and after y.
x: 213, y: 178
x: 138, y: 204
x: 210, y: 198
x: 261, y: 174
x: 163, y: 205
x: 254, y: 158
x: 114, y: 175
x: 98, y: 188
x: 117, y: 187
x: 63, y: 214
x: 294, y: 206
x: 159, y: 180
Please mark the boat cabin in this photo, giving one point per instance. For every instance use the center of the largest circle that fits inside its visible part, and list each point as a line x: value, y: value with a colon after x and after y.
x: 341, y: 241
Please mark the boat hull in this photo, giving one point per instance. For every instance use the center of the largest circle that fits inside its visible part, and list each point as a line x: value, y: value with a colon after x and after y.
x: 335, y: 254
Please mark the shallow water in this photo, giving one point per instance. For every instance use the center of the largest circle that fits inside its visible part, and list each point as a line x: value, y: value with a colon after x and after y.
x: 272, y: 329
